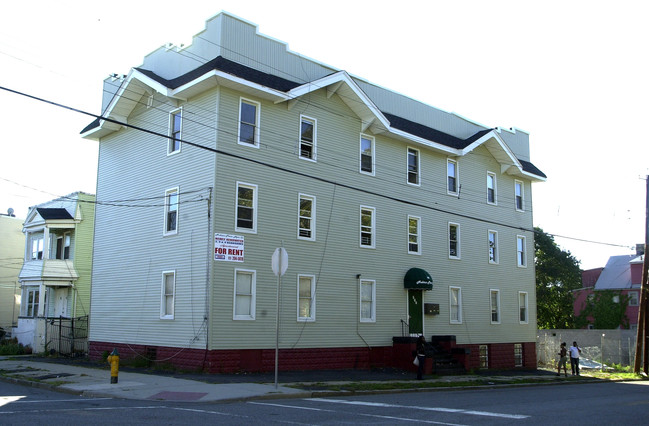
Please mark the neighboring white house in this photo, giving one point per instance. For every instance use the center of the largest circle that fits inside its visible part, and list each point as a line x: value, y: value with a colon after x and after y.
x: 12, y: 242
x: 398, y: 218
x: 56, y: 274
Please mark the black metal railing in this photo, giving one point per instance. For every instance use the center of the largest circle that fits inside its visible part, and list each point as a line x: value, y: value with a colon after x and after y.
x: 67, y: 336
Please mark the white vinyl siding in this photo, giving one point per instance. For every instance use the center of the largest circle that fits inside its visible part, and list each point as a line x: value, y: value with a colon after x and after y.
x: 246, y: 208
x: 367, y: 157
x: 368, y: 300
x: 306, y: 217
x: 455, y: 304
x: 171, y: 211
x: 308, y: 138
x: 306, y: 298
x: 368, y: 227
x: 249, y: 112
x: 168, y: 295
x: 175, y: 131
x: 244, y: 294
x: 414, y: 235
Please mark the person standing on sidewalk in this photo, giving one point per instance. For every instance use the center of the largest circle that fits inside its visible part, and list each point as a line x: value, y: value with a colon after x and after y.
x: 574, y: 358
x: 421, y: 356
x: 563, y: 359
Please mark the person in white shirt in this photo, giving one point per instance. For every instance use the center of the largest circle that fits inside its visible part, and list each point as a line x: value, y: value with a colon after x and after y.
x: 574, y: 358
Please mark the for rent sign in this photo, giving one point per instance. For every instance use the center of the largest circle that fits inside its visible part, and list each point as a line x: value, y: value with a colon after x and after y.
x: 228, y: 248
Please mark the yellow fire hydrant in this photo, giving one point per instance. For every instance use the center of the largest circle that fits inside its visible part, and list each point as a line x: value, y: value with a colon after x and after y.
x: 113, y: 360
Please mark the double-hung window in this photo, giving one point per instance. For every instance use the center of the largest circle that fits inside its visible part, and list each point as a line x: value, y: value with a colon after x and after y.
x: 494, y: 297
x: 175, y: 128
x: 451, y: 177
x: 31, y: 307
x: 368, y: 300
x: 493, y: 246
x: 168, y: 295
x: 520, y: 251
x: 367, y: 227
x: 306, y: 298
x: 491, y: 188
x: 62, y: 250
x: 633, y: 298
x: 519, y: 195
x: 171, y: 211
x: 37, y: 247
x: 246, y: 214
x: 308, y: 138
x: 413, y: 166
x: 453, y: 240
x: 518, y: 354
x: 306, y: 217
x: 414, y: 235
x: 249, y: 122
x: 522, y: 307
x: 455, y: 304
x: 367, y: 155
x: 244, y: 294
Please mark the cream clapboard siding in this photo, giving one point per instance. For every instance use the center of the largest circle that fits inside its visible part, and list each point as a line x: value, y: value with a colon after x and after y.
x: 335, y: 257
x: 131, y: 252
x: 82, y: 246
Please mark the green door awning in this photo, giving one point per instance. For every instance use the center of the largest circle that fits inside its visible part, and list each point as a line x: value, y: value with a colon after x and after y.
x: 418, y: 279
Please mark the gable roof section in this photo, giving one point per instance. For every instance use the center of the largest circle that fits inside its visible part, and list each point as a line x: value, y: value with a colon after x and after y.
x: 616, y: 274
x: 53, y: 213
x: 277, y: 89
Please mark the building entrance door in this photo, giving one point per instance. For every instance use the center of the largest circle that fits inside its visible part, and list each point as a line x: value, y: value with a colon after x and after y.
x: 415, y: 312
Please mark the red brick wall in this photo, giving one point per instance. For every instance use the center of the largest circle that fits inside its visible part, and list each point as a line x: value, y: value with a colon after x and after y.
x: 251, y: 360
x: 501, y: 356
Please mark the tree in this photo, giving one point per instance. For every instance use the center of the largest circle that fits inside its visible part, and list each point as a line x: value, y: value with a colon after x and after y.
x: 557, y: 274
x: 607, y: 309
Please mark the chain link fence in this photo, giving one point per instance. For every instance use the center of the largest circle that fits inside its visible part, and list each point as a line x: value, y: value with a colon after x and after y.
x: 597, y: 347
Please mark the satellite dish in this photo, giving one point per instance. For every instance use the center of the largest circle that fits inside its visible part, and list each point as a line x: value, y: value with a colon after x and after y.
x: 10, y: 212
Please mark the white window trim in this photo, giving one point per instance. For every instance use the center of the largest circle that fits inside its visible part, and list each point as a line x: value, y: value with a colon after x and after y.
x: 457, y: 177
x: 372, y: 318
x: 520, y: 345
x: 254, y: 208
x: 486, y: 356
x: 166, y: 211
x: 459, y: 305
x: 448, y: 244
x: 495, y: 261
x: 527, y: 310
x: 637, y: 298
x: 25, y: 307
x: 257, y: 121
x: 315, y: 139
x: 519, y: 182
x: 180, y: 133
x: 313, y: 300
x: 495, y: 188
x: 373, y: 227
x: 163, y: 315
x: 313, y: 222
x: 360, y: 154
x: 524, y: 257
x: 491, y: 307
x: 418, y: 252
x: 253, y: 295
x: 408, y: 149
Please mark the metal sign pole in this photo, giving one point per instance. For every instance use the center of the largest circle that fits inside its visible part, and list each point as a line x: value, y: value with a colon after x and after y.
x: 279, y: 263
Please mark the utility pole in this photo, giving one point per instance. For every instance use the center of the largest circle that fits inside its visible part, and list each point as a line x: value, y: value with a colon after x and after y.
x: 641, y: 338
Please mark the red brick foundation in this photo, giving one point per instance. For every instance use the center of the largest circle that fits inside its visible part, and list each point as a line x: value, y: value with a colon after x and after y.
x: 250, y: 360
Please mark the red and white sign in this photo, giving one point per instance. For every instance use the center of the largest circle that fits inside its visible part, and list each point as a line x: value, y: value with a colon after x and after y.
x: 228, y: 248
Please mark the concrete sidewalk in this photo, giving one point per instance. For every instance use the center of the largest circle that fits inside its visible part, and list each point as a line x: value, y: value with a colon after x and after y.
x: 91, y: 381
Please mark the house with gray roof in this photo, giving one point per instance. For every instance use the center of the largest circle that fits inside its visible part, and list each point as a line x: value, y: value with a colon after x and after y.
x: 55, y: 277
x: 398, y: 218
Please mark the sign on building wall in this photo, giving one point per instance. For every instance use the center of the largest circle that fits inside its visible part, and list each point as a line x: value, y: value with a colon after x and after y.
x: 228, y: 248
